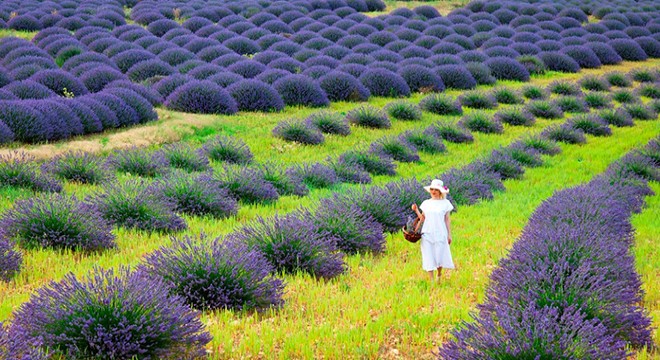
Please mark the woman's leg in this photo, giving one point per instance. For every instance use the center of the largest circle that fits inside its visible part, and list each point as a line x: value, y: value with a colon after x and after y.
x: 439, y: 273
x: 430, y: 275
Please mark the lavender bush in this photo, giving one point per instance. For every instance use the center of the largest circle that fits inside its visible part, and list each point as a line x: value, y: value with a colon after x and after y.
x: 56, y: 221
x: 355, y: 230
x: 423, y: 141
x: 370, y: 162
x: 79, y: 167
x: 368, y: 116
x: 541, y: 144
x: 290, y: 244
x: 197, y: 195
x: 441, y: 105
x: 449, y: 132
x: 298, y: 131
x: 481, y: 122
x: 228, y: 149
x: 350, y: 173
x: 564, y: 133
x: 139, y: 162
x: 515, y: 116
x: 403, y: 110
x: 109, y: 314
x: 216, y: 274
x: 247, y: 184
x: 618, y: 117
x: 394, y: 148
x: 316, y: 175
x: 590, y: 124
x: 568, y: 287
x: 329, y: 123
x: 375, y: 201
x: 285, y: 182
x: 135, y: 204
x: 183, y: 156
x: 472, y: 184
x: 18, y: 169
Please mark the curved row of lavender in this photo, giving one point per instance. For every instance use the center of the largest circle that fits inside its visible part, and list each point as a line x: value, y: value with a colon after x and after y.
x: 600, y: 93
x: 241, y: 271
x: 569, y: 288
x: 225, y: 58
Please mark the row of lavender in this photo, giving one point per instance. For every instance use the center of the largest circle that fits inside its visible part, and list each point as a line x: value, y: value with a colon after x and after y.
x: 52, y: 104
x: 569, y: 98
x: 238, y: 271
x: 313, y: 56
x: 29, y: 15
x: 568, y: 288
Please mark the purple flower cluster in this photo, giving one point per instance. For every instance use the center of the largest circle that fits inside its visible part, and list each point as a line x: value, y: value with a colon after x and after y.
x: 216, y: 274
x: 290, y: 244
x: 79, y: 167
x: 56, y: 221
x: 19, y: 169
x: 197, y: 195
x: 10, y: 263
x: 568, y: 287
x: 135, y: 204
x: 120, y: 314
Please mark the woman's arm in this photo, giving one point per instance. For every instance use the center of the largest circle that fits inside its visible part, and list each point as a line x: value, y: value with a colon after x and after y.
x: 420, y: 222
x: 416, y: 209
x: 448, y: 223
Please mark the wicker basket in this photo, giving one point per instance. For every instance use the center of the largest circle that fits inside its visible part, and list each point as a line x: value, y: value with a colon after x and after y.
x: 412, y: 236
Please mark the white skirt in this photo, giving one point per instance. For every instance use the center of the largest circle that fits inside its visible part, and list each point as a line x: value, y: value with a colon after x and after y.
x: 435, y: 252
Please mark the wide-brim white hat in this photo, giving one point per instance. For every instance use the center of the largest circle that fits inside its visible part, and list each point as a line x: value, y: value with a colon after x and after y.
x: 437, y: 184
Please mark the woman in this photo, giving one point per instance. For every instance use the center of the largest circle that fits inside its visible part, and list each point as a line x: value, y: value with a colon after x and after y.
x: 436, y: 231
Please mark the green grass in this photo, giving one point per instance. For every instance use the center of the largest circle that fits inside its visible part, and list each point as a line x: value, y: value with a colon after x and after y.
x: 647, y: 256
x: 27, y: 35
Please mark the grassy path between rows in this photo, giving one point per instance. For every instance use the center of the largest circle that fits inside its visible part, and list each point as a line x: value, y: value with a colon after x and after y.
x: 385, y: 307
x: 647, y: 256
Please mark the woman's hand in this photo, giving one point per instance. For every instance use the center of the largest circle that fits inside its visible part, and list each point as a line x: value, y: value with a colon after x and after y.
x: 414, y: 207
x: 449, y: 239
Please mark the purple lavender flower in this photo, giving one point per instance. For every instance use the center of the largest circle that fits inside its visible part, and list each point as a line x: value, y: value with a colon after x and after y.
x: 315, y: 175
x: 10, y: 261
x: 79, y: 167
x: 355, y: 230
x: 535, y: 334
x: 183, y: 156
x: 216, y: 274
x: 19, y: 169
x: 197, y: 195
x: 139, y: 162
x: 286, y: 183
x: 231, y: 150
x: 56, y: 221
x: 119, y: 314
x: 290, y: 244
x: 134, y: 204
x: 247, y: 184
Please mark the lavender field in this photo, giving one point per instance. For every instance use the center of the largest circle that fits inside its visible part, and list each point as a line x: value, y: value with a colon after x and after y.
x: 228, y: 179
